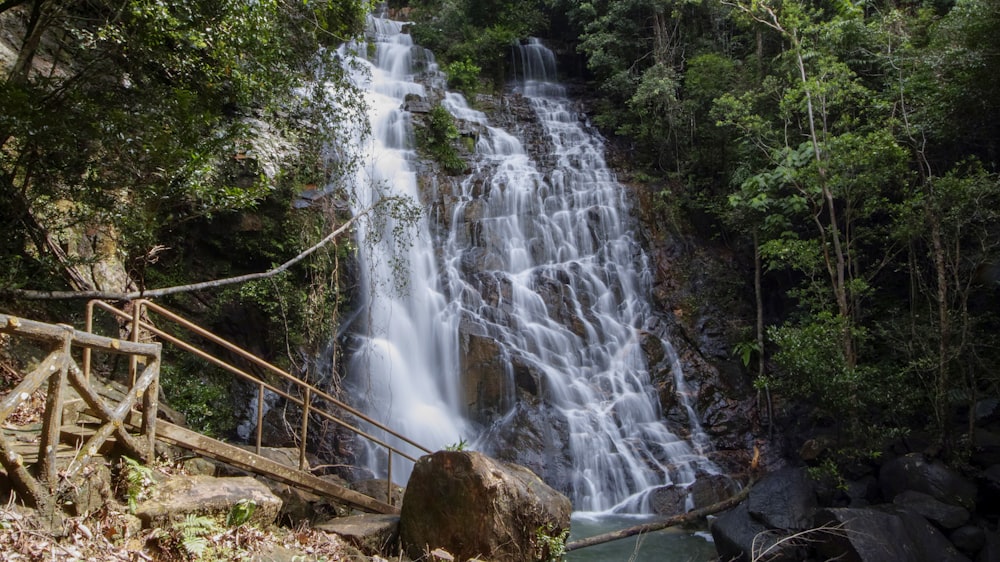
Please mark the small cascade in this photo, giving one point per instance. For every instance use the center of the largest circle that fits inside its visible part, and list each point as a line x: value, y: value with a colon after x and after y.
x: 537, y: 274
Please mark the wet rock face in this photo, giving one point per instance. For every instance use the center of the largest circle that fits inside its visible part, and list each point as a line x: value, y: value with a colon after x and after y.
x: 487, y: 382
x: 473, y: 506
x: 537, y: 437
x: 697, y: 297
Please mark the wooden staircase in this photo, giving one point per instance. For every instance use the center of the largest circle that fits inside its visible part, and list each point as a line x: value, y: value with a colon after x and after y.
x: 38, y: 456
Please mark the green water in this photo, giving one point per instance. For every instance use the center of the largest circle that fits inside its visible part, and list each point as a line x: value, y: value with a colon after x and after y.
x: 668, y: 545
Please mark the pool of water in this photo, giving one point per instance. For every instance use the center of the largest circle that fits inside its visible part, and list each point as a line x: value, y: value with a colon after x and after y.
x: 667, y: 545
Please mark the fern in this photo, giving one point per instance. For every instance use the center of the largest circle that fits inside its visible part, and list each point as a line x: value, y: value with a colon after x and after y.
x: 137, y: 478
x: 193, y: 532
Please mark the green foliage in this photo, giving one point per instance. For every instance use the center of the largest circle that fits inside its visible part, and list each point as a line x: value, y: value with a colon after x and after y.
x: 463, y: 76
x: 828, y: 471
x: 477, y: 32
x: 169, y: 114
x: 552, y: 546
x: 201, y: 392
x: 240, y: 513
x: 437, y: 137
x: 137, y: 479
x: 193, y: 532
x: 745, y: 351
x: 460, y: 446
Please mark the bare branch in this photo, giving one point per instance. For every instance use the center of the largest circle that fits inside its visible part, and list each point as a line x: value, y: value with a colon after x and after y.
x: 673, y: 521
x: 105, y: 295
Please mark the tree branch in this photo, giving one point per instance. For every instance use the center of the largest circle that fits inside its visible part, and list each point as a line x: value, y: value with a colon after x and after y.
x: 673, y: 521
x: 104, y: 295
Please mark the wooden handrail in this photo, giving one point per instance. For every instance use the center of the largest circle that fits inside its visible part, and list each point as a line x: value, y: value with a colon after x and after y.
x: 307, y: 391
x: 59, y: 369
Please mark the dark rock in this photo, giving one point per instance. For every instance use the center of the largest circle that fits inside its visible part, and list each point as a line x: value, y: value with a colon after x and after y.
x: 710, y: 489
x: 986, y: 451
x: 914, y: 472
x: 535, y: 436
x: 785, y: 499
x: 882, y: 534
x: 474, y: 506
x: 991, y: 550
x: 706, y: 490
x: 989, y: 489
x: 372, y: 534
x: 298, y: 506
x: 488, y: 387
x: 379, y: 489
x: 668, y: 500
x: 862, y: 492
x: 738, y: 536
x: 970, y: 539
x: 417, y: 106
x: 943, y: 515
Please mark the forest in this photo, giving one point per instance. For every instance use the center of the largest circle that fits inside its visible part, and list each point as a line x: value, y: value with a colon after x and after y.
x: 845, y: 151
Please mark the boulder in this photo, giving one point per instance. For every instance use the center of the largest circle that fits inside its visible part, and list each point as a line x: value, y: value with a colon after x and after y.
x: 914, y: 472
x: 880, y: 534
x: 178, y: 496
x: 706, y: 490
x: 784, y: 499
x: 969, y: 539
x: 738, y: 536
x: 476, y: 507
x: 862, y: 492
x: 937, y: 512
x: 989, y: 490
x: 370, y: 533
x: 379, y: 489
x: 991, y: 550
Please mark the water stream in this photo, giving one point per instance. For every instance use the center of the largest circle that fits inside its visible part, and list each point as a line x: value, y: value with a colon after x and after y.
x: 535, y: 264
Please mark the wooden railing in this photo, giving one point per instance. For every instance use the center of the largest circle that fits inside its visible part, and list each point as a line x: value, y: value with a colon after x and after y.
x: 296, y: 392
x: 39, y: 484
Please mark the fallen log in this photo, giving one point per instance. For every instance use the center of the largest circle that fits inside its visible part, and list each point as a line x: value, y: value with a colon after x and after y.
x: 673, y: 521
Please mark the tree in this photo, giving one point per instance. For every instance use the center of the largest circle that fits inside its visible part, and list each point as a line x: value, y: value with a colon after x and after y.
x: 127, y: 121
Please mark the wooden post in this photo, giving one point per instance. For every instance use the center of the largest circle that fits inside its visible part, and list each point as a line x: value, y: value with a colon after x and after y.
x: 52, y: 422
x: 150, y: 406
x: 305, y: 428
x: 260, y: 415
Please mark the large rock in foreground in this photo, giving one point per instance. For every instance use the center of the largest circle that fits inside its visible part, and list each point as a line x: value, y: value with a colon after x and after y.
x: 476, y: 507
x: 207, y: 495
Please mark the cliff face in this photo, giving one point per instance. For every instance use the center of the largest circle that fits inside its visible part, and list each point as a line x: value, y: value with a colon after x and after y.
x: 697, y: 305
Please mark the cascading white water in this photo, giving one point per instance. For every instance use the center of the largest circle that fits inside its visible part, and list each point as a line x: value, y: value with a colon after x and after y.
x: 405, y: 349
x: 538, y: 258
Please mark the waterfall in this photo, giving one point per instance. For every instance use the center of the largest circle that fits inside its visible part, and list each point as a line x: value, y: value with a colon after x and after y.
x: 403, y: 344
x: 523, y: 323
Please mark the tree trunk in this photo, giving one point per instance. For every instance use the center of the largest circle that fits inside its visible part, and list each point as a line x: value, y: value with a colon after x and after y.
x: 673, y: 521
x: 839, y: 268
x: 944, y: 327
